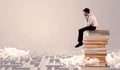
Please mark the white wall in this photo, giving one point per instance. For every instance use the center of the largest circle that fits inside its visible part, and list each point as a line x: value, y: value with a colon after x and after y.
x: 53, y: 25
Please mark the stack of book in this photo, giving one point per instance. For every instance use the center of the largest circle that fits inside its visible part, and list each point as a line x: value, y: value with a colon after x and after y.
x: 95, y: 45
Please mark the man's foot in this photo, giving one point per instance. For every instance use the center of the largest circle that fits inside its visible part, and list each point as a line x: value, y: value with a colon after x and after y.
x: 78, y: 45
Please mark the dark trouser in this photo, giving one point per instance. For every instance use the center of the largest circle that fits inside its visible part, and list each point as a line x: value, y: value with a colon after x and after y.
x: 80, y: 37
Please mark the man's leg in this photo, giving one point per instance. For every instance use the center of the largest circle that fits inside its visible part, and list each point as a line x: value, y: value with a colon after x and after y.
x: 80, y: 37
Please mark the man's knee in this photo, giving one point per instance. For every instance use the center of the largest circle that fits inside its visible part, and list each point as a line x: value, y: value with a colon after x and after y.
x: 80, y: 30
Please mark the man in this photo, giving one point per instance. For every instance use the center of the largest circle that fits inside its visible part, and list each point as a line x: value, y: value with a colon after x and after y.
x: 91, y: 24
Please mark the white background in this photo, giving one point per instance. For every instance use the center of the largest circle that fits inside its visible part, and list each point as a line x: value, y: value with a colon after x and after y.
x: 52, y: 25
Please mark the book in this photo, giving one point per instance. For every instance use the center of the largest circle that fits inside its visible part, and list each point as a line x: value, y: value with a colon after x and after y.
x: 95, y: 55
x: 92, y: 40
x: 93, y: 46
x: 95, y: 43
x: 99, y: 49
x: 94, y: 52
x: 97, y: 64
x: 96, y: 35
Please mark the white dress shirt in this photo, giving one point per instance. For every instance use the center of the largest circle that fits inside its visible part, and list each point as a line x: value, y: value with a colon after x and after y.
x: 91, y: 20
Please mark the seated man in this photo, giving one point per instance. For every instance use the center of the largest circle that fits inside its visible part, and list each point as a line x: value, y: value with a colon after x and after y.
x: 91, y: 24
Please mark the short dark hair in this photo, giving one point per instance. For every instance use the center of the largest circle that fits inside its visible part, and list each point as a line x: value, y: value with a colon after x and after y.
x: 86, y: 10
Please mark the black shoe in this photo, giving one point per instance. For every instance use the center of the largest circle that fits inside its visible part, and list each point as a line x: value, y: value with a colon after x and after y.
x: 78, y: 45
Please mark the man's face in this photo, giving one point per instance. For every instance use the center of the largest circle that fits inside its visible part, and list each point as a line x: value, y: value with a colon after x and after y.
x: 85, y: 14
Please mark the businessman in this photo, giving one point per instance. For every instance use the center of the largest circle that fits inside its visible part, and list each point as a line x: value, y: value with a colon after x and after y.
x: 91, y: 24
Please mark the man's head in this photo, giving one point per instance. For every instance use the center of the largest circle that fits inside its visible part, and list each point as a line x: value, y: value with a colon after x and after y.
x: 86, y: 11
